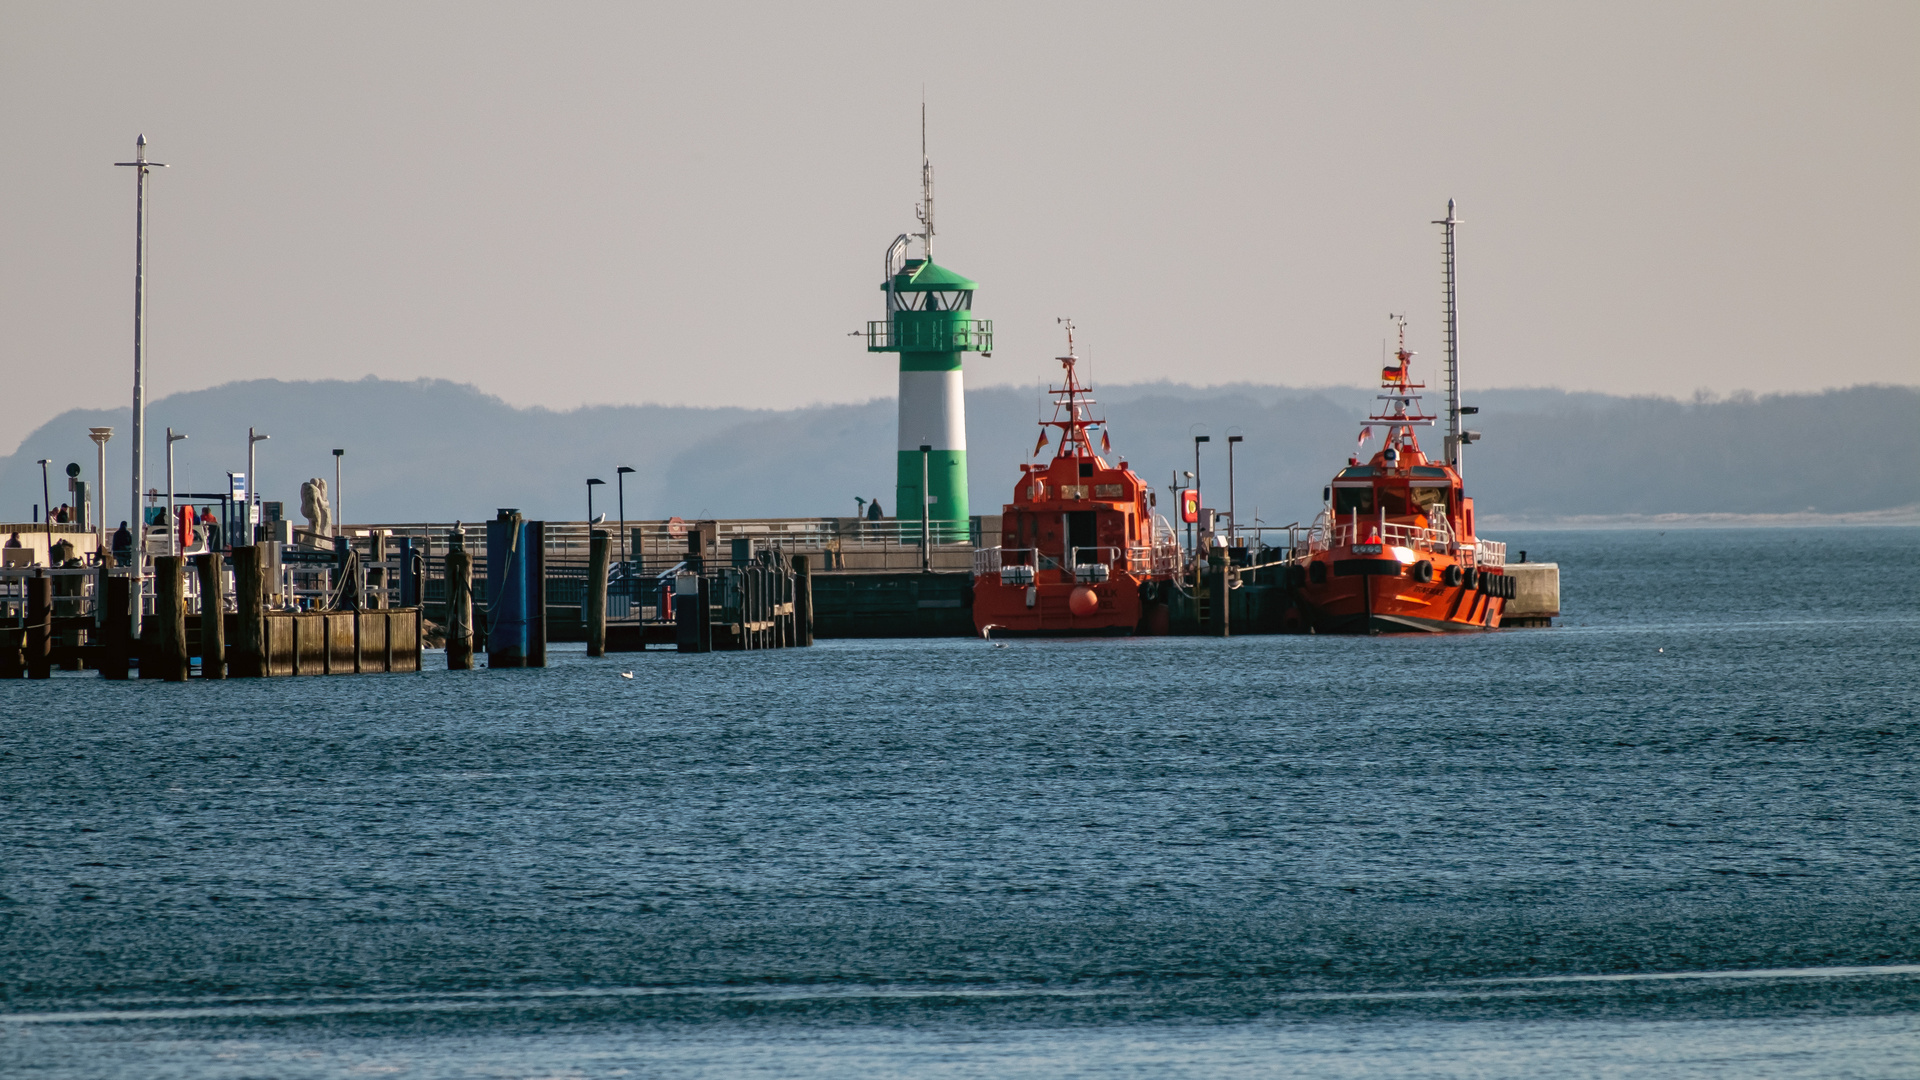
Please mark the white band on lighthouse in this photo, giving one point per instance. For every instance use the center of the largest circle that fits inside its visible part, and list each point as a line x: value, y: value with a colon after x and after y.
x: 933, y: 410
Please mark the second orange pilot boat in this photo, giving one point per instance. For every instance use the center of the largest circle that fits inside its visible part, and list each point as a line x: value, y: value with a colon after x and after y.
x: 1080, y: 547
x: 1395, y: 550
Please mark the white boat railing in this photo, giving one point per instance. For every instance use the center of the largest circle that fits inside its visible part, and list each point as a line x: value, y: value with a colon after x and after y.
x: 1440, y: 538
x: 1161, y: 558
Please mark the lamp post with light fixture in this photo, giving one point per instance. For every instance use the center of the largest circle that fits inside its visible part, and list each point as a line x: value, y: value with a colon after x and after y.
x: 253, y: 487
x: 173, y: 530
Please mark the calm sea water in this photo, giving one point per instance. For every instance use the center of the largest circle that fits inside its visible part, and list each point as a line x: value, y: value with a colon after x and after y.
x: 1677, y: 835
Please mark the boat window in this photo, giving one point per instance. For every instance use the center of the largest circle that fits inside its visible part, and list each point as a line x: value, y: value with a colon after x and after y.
x: 1356, y: 472
x: 1428, y: 498
x: 1347, y: 500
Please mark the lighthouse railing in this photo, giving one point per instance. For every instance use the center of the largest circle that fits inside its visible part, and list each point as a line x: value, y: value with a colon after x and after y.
x: 963, y: 334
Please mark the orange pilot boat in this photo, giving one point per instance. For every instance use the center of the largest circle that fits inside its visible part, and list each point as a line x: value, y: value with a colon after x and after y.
x: 1081, y: 549
x: 1395, y: 549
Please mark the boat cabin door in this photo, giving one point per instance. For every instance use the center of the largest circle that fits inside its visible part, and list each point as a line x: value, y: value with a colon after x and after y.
x: 1082, y: 536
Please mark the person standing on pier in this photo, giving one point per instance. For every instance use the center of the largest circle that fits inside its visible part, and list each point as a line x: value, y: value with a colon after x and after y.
x: 123, y: 545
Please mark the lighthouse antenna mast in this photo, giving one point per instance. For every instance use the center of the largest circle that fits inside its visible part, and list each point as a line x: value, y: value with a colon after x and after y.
x: 925, y: 210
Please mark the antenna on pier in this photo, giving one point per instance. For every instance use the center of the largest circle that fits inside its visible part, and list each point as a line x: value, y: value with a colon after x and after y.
x: 1450, y: 326
x: 925, y: 210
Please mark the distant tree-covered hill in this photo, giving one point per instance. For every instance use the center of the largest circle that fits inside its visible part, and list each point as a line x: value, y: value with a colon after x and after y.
x: 437, y: 451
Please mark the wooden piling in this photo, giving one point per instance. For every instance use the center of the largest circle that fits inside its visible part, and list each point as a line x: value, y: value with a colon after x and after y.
x: 115, y: 627
x: 1221, y: 608
x: 803, y: 599
x: 537, y: 594
x: 459, y: 571
x: 169, y: 653
x: 250, y: 624
x: 595, y: 606
x: 13, y: 659
x: 39, y: 635
x: 213, y: 615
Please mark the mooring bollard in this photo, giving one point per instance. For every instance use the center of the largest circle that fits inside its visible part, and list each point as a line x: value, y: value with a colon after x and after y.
x: 595, y: 607
x: 169, y: 654
x: 213, y: 615
x: 39, y: 635
x: 250, y: 622
x: 459, y: 571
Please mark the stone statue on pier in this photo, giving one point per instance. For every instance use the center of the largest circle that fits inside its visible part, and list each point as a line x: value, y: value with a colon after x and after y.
x: 315, y: 508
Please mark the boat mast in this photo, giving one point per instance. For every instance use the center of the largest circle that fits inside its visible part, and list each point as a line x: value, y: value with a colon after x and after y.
x: 1450, y: 326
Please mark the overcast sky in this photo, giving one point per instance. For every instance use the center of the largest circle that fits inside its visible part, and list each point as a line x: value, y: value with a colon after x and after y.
x: 587, y: 203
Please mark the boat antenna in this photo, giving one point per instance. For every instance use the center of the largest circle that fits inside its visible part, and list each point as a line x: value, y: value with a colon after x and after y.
x: 1072, y: 400
x: 925, y: 210
x: 1450, y: 326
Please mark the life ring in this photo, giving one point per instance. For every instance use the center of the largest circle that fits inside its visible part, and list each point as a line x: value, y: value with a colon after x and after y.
x: 1421, y: 572
x: 1317, y: 573
x: 1452, y: 576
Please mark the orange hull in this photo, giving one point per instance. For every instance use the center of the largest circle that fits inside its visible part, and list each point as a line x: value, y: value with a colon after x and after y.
x: 1386, y: 599
x: 1005, y: 609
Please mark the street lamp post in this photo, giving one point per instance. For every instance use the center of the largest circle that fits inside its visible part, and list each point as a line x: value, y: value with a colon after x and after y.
x: 591, y: 482
x: 620, y: 491
x: 1233, y: 519
x: 46, y: 493
x: 140, y: 165
x: 253, y: 487
x: 1176, y: 488
x: 1197, y: 440
x: 338, y: 522
x: 173, y: 529
x: 100, y: 435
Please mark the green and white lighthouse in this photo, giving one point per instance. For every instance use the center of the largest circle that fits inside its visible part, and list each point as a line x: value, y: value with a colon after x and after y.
x: 930, y: 323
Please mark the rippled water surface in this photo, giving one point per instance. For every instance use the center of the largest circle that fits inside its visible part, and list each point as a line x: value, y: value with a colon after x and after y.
x: 1676, y: 835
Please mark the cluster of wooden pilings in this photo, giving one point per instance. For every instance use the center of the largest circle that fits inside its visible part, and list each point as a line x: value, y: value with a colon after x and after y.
x: 263, y: 643
x: 763, y: 600
x: 248, y: 642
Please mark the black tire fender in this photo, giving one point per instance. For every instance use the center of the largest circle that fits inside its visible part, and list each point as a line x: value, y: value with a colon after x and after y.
x: 1421, y: 572
x: 1452, y: 576
x: 1317, y: 573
